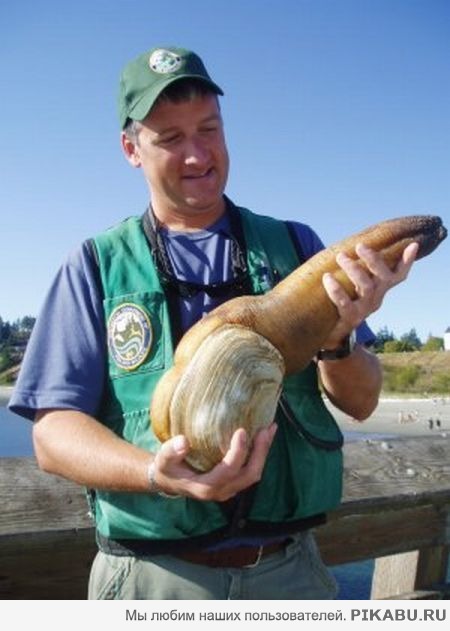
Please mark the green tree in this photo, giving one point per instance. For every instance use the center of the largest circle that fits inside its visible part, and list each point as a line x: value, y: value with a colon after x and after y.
x: 383, y: 336
x: 27, y: 324
x: 13, y: 340
x: 5, y: 359
x: 433, y: 344
x: 397, y: 346
x: 5, y: 331
x: 412, y: 340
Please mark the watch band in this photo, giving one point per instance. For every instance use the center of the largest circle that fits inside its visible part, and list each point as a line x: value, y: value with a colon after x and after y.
x: 342, y: 351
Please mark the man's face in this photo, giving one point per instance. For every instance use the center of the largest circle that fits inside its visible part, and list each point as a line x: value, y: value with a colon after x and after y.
x: 181, y: 149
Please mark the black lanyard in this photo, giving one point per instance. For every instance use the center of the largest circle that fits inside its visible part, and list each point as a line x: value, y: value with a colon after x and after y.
x: 175, y: 288
x: 240, y: 283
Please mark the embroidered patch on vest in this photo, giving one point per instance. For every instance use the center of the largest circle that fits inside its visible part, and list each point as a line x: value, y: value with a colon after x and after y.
x: 130, y: 335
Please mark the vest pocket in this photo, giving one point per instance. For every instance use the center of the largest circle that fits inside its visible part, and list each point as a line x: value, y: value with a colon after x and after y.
x: 138, y: 333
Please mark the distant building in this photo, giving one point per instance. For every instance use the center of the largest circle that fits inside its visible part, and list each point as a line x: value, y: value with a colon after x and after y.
x: 447, y: 340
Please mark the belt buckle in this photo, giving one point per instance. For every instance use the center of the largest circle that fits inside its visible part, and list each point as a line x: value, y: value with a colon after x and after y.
x: 258, y: 558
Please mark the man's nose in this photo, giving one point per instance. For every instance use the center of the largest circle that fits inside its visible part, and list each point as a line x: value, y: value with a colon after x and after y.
x: 196, y: 152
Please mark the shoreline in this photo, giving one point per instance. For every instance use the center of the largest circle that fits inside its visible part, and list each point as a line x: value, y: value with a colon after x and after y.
x: 401, y: 417
x: 394, y: 416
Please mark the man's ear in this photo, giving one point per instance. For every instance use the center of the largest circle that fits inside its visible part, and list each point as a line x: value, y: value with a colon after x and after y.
x: 131, y: 150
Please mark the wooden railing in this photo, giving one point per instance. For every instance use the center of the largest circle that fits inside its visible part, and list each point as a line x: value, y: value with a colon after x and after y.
x: 396, y: 509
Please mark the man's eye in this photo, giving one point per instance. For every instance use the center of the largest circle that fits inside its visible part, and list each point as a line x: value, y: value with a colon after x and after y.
x: 169, y: 140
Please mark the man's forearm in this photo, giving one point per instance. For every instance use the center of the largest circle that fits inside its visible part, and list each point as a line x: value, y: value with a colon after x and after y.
x: 76, y: 446
x: 353, y: 384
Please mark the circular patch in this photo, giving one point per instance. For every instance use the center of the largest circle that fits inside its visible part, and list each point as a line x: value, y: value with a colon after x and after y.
x: 130, y: 335
x: 164, y: 61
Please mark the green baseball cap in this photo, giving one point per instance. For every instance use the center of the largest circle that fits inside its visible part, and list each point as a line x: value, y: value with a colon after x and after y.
x: 144, y: 78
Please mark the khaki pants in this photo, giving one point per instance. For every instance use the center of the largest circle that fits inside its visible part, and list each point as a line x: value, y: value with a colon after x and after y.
x: 296, y: 573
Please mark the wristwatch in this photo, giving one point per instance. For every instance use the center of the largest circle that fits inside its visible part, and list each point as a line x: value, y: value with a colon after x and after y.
x: 345, y: 349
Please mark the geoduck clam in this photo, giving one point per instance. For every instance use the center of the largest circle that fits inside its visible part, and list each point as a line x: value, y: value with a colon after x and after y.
x: 229, y: 367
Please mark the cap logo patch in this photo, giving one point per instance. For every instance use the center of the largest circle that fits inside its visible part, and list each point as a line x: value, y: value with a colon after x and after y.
x: 130, y: 335
x: 164, y: 61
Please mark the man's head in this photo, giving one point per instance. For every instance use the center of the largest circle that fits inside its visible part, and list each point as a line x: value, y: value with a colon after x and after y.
x: 174, y: 133
x: 146, y: 77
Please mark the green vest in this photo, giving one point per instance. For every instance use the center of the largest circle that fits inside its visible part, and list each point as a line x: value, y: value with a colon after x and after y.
x: 303, y: 471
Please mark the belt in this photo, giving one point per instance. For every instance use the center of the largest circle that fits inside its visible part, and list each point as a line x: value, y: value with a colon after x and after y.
x: 244, y: 556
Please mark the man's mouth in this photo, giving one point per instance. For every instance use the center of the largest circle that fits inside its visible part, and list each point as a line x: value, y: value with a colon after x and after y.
x: 199, y: 176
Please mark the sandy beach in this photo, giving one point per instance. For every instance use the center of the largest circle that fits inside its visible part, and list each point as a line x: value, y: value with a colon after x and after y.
x: 402, y: 417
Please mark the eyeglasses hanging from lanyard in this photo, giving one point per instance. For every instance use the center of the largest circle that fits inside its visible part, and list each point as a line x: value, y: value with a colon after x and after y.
x: 238, y: 285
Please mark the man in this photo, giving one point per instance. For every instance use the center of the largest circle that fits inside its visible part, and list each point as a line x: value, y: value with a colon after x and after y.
x: 106, y: 335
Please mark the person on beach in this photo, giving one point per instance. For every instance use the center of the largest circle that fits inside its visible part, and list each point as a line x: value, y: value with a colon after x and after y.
x: 106, y: 334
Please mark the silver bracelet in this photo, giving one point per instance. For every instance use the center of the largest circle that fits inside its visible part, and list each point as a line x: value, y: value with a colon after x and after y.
x: 153, y: 485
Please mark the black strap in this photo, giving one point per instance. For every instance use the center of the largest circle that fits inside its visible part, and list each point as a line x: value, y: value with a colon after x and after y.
x: 327, y: 445
x: 237, y: 286
x: 239, y: 253
x: 145, y: 547
x: 174, y: 288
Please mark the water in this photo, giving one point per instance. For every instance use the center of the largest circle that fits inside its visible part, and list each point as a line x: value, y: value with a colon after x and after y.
x: 354, y: 579
x: 15, y: 435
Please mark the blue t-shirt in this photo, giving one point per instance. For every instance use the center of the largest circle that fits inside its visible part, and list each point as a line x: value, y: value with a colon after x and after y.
x: 65, y: 360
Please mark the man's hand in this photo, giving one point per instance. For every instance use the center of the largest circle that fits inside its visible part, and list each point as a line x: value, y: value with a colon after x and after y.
x: 237, y: 471
x: 354, y: 384
x: 371, y: 287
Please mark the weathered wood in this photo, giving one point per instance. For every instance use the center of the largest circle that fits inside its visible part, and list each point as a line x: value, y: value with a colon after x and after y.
x: 409, y: 572
x: 377, y: 474
x: 396, y: 500
x: 366, y: 535
x: 46, y: 535
x: 46, y: 565
x: 398, y: 469
x: 34, y: 501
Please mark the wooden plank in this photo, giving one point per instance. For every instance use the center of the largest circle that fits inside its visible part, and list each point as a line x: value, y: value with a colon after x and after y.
x: 409, y: 572
x: 377, y: 474
x: 36, y: 563
x: 396, y: 500
x: 33, y: 501
x: 44, y: 566
x: 348, y: 538
x: 394, y: 575
x: 397, y: 468
x: 432, y: 566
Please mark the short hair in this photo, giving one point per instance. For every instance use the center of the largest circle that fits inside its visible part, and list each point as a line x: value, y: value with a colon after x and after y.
x: 131, y: 130
x: 184, y: 90
x: 177, y: 92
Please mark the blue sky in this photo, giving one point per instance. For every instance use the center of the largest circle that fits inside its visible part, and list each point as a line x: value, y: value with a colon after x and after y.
x: 337, y: 114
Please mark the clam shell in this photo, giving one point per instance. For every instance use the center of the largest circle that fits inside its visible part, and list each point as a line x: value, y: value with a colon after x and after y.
x: 233, y: 380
